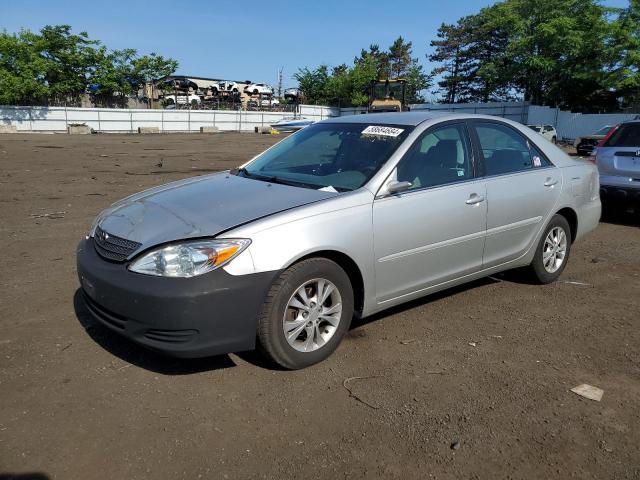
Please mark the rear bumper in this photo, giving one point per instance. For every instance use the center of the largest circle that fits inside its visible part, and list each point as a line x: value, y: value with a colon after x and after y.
x: 585, y: 148
x: 211, y: 314
x: 619, y: 189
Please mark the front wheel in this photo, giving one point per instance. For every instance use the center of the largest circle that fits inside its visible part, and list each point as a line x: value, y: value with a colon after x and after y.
x: 552, y: 252
x: 307, y: 312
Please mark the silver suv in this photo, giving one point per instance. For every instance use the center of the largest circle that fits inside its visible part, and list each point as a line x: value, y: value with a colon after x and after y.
x: 618, y: 161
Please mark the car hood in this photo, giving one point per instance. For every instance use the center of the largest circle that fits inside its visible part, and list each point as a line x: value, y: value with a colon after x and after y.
x: 200, y: 207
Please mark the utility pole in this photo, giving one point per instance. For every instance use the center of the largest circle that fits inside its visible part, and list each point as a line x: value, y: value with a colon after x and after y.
x: 280, y: 82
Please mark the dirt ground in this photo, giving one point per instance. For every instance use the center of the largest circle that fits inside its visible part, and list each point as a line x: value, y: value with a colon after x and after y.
x: 489, y: 365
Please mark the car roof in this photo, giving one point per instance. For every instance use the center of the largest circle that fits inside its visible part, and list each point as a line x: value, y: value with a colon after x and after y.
x: 414, y: 118
x: 395, y: 118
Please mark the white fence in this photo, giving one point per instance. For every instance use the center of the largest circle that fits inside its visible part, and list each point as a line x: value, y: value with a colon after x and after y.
x: 568, y: 124
x: 56, y: 119
x: 572, y: 125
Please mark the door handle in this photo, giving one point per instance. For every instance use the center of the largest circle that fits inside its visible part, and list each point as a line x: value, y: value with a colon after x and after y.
x: 474, y: 199
x: 550, y: 182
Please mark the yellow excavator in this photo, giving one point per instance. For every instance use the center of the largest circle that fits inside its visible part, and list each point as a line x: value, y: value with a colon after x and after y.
x: 387, y: 95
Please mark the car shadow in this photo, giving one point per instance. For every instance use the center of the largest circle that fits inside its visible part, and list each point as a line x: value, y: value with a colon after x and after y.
x: 149, y: 360
x: 139, y: 356
x: 358, y: 323
x: 621, y: 216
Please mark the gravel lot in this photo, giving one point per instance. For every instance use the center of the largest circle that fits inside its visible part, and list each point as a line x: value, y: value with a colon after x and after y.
x: 489, y: 365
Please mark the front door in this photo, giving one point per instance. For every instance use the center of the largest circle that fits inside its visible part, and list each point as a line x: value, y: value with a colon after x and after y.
x: 434, y: 231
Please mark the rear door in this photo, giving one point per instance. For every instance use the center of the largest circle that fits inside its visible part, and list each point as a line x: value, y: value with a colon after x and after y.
x: 522, y: 188
x: 620, y: 155
x: 434, y: 231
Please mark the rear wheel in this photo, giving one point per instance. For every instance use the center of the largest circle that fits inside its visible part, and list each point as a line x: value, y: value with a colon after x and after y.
x: 552, y: 252
x: 554, y: 140
x: 307, y: 312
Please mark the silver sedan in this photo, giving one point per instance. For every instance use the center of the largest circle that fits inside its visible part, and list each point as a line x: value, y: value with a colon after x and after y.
x: 345, y: 218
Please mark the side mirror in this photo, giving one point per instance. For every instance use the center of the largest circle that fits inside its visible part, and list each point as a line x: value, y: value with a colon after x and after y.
x: 397, y: 187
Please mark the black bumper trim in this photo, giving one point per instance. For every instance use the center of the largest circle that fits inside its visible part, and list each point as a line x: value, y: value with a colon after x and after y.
x: 211, y: 314
x: 620, y: 194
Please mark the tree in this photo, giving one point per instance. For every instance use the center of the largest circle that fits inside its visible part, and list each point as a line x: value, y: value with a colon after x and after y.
x: 399, y: 57
x: 56, y: 65
x: 152, y: 67
x: 549, y: 52
x: 349, y: 85
x: 403, y: 65
x: 22, y: 70
x: 625, y: 51
x: 313, y: 83
x: 70, y: 60
x: 450, y: 53
x: 114, y: 73
x: 379, y: 58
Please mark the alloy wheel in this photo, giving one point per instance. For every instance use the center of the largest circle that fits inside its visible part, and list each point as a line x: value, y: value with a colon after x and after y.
x: 312, y: 315
x: 554, y: 249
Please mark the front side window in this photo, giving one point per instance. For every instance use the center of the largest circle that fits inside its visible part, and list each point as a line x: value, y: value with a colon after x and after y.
x: 439, y: 157
x: 334, y: 156
x: 503, y: 149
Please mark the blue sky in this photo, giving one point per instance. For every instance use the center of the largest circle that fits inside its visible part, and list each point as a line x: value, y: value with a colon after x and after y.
x: 248, y: 40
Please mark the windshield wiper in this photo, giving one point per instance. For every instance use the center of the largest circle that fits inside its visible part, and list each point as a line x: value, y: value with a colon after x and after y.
x: 273, y: 179
x: 292, y: 183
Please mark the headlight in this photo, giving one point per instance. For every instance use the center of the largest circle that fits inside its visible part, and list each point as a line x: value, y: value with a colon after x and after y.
x: 189, y: 259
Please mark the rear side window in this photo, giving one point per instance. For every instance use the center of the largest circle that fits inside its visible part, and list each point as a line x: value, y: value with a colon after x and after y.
x: 503, y: 149
x: 627, y: 135
x: 538, y: 158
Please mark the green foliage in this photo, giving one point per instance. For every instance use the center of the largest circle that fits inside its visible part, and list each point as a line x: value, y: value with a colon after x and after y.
x: 625, y: 50
x: 349, y: 85
x: 153, y: 66
x: 22, y: 70
x: 574, y: 54
x: 313, y: 83
x: 56, y: 65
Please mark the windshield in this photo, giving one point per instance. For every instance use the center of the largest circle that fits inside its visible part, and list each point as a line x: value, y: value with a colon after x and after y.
x: 603, y: 130
x: 334, y: 156
x: 387, y: 90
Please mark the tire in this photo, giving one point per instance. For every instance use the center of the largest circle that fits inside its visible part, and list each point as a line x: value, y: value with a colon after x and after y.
x: 537, y: 270
x: 308, y: 344
x: 255, y: 91
x: 554, y: 140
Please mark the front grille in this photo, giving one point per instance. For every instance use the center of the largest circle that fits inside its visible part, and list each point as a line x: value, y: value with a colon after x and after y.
x: 113, y: 248
x: 115, y: 320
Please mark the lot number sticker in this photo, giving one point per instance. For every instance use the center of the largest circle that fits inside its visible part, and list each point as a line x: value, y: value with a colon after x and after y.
x: 383, y: 131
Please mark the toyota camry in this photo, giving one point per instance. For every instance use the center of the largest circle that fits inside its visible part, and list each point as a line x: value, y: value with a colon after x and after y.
x: 347, y: 217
